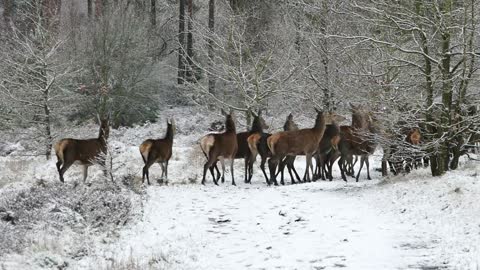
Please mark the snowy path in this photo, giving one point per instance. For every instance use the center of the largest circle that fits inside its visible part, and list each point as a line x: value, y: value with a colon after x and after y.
x: 291, y: 227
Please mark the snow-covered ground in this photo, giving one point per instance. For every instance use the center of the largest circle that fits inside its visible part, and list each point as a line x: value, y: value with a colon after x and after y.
x: 402, y: 222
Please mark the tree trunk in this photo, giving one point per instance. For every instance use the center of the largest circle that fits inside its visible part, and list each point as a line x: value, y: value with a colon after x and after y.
x: 8, y: 7
x: 153, y: 12
x: 48, y: 132
x: 211, y: 28
x: 181, y: 41
x: 89, y: 8
x: 190, y: 69
x: 99, y: 6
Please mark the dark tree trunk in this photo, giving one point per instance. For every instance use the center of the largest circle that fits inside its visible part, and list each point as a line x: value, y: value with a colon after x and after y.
x: 8, y: 7
x: 211, y: 28
x: 89, y: 8
x: 153, y: 12
x: 190, y: 69
x: 99, y: 7
x: 181, y: 41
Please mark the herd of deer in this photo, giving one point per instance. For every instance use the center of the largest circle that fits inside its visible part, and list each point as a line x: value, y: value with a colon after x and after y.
x: 326, y: 141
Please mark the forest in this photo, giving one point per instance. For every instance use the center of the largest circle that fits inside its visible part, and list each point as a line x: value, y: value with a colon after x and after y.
x: 329, y: 94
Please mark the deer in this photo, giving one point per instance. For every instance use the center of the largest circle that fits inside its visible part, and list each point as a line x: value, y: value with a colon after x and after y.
x: 220, y: 146
x: 328, y: 144
x: 258, y: 145
x: 258, y: 125
x: 329, y: 141
x: 158, y: 151
x: 355, y: 142
x: 297, y: 142
x: 288, y: 161
x: 402, y: 155
x: 86, y: 152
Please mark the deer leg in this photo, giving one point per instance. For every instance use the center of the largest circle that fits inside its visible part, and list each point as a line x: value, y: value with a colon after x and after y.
x: 85, y: 173
x: 340, y: 166
x: 166, y: 172
x: 212, y: 171
x: 64, y: 168
x: 362, y: 160
x: 250, y: 170
x: 368, y: 168
x: 290, y: 167
x: 231, y: 170
x: 353, y: 165
x: 281, y: 169
x: 295, y: 171
x: 262, y: 167
x: 145, y: 171
x: 309, y: 166
x: 207, y: 166
x: 272, y: 165
x: 163, y: 169
x: 222, y: 162
x: 330, y: 170
x: 59, y: 164
x: 245, y: 180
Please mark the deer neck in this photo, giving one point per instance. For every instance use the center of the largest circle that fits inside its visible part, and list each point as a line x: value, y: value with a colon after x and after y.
x: 169, y: 134
x: 256, y: 126
x: 230, y: 127
x: 319, y: 129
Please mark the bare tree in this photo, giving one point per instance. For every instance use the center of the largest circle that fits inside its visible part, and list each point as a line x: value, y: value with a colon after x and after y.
x: 181, y: 42
x: 211, y: 29
x: 33, y: 72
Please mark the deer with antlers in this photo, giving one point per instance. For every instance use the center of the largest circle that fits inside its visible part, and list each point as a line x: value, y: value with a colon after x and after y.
x: 220, y: 146
x: 158, y: 151
x: 86, y: 152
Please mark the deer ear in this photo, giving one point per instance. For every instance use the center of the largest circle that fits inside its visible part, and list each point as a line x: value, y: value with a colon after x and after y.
x: 222, y: 111
x: 317, y: 110
x: 259, y: 112
x: 172, y: 121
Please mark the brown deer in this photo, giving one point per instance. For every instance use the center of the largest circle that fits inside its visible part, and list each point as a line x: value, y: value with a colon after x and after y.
x: 298, y: 142
x: 220, y: 146
x: 329, y: 141
x: 356, y: 142
x: 288, y: 161
x: 86, y: 152
x: 328, y: 145
x: 258, y: 124
x: 257, y: 142
x: 158, y: 151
